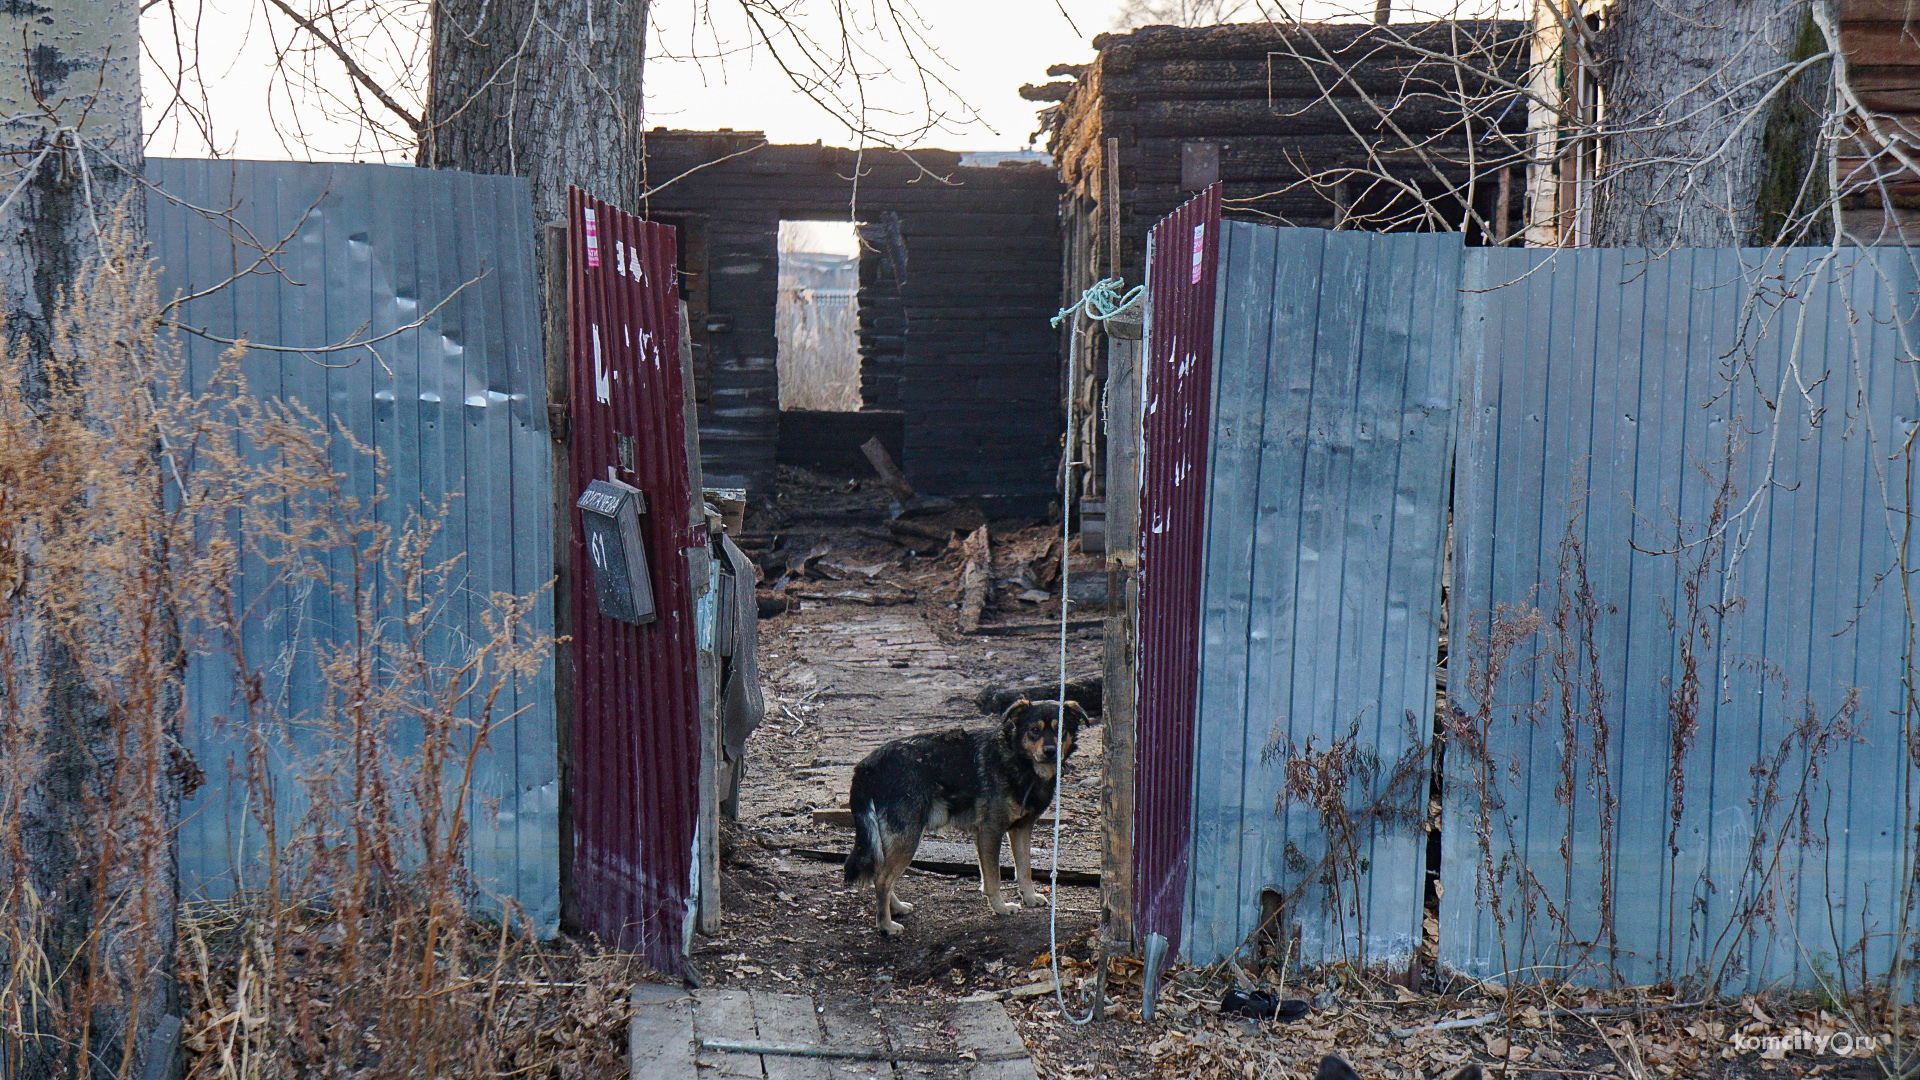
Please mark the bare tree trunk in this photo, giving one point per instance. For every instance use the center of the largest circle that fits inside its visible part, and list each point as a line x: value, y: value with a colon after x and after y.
x: 545, y: 89
x: 70, y: 96
x: 1682, y: 164
x: 69, y: 77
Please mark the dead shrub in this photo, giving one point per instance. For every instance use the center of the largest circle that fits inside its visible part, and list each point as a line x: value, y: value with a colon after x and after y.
x: 1354, y: 795
x: 361, y: 945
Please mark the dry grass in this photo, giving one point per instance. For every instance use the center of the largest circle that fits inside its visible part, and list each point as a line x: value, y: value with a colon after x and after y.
x: 128, y: 502
x: 818, y: 332
x: 1545, y: 1029
x: 257, y: 1010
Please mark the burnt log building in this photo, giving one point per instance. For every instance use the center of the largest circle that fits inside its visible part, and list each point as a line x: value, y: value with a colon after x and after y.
x: 1406, y: 126
x: 959, y: 275
x: 1330, y: 125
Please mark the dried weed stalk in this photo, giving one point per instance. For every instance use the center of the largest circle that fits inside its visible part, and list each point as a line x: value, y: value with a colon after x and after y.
x: 1355, y: 796
x: 97, y: 559
x: 360, y: 944
x: 1553, y: 668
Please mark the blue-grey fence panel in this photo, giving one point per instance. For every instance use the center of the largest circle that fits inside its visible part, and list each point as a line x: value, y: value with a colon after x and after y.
x: 455, y: 404
x: 1333, y: 400
x: 1688, y: 466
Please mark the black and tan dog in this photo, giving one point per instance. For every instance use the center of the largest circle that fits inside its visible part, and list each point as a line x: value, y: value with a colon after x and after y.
x: 989, y: 783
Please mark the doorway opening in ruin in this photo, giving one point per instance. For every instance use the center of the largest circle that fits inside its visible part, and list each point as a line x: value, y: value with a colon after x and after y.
x: 816, y: 319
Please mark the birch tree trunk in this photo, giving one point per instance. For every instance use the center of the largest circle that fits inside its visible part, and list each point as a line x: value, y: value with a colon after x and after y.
x: 1682, y: 165
x: 104, y: 923
x: 545, y: 89
x: 69, y: 81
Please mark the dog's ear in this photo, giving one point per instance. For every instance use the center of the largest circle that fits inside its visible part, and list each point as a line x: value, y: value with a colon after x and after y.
x: 1471, y: 1072
x: 1010, y: 720
x: 1333, y: 1068
x: 1075, y: 715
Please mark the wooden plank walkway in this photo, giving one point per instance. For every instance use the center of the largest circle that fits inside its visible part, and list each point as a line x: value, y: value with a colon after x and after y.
x: 760, y: 1035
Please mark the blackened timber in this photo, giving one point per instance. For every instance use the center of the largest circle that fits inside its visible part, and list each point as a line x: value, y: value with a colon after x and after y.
x: 1298, y: 117
x: 960, y: 346
x: 1350, y: 43
x: 1284, y: 76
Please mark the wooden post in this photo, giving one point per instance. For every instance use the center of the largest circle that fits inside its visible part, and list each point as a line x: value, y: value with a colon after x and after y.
x: 889, y: 474
x: 707, y: 851
x: 1503, y: 203
x: 976, y: 578
x: 1124, y: 361
x: 558, y: 424
x: 1113, y: 207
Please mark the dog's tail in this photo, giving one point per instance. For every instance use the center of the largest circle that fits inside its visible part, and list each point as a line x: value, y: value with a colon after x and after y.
x: 864, y: 860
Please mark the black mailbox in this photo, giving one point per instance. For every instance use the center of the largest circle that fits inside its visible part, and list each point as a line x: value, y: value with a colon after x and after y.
x: 610, y: 514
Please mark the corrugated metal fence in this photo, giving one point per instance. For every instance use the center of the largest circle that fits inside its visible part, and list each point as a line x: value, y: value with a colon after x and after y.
x: 1177, y: 393
x: 1326, y: 511
x: 1692, y: 763
x: 636, y: 706
x: 1707, y: 445
x: 455, y: 405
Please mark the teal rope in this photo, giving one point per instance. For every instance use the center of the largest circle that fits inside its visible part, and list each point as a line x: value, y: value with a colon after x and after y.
x: 1103, y: 301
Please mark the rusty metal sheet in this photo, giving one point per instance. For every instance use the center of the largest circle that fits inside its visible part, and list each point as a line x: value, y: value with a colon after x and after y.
x: 636, y: 709
x: 1175, y: 425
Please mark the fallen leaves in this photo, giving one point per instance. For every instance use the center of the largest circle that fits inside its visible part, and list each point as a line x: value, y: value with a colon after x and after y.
x: 1387, y: 1031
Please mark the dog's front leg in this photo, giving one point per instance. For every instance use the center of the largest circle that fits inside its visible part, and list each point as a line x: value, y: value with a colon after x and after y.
x: 883, y: 902
x: 986, y: 844
x: 1020, y: 838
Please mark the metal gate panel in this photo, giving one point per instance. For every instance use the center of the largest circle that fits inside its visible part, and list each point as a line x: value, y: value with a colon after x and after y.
x: 1326, y: 501
x: 636, y: 737
x: 1599, y: 391
x: 452, y: 405
x: 1177, y: 392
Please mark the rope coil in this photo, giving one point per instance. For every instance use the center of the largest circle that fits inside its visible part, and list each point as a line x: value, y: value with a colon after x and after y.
x: 1103, y: 300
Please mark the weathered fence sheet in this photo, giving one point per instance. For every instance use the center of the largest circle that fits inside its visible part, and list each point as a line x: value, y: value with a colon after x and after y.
x: 455, y: 405
x: 1677, y: 645
x: 1320, y: 605
x: 1177, y: 392
x: 1689, y: 465
x: 636, y: 703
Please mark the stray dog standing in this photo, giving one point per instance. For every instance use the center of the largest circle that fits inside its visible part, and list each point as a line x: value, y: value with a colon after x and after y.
x: 990, y: 783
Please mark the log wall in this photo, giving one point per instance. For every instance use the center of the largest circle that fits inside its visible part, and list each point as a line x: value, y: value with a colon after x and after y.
x: 959, y: 343
x: 1880, y: 196
x: 1279, y: 104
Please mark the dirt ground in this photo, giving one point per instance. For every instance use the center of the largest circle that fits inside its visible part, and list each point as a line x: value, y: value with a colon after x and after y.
x: 842, y: 676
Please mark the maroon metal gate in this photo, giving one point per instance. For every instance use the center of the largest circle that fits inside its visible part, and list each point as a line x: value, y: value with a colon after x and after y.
x: 1175, y: 423
x: 636, y: 733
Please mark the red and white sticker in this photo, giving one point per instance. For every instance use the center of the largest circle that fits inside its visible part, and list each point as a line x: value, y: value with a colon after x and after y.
x: 593, y: 238
x: 1199, y: 249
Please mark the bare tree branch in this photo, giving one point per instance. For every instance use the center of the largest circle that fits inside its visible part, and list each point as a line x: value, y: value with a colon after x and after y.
x: 353, y: 67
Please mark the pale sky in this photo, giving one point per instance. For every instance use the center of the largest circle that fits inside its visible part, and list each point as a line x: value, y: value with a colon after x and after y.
x: 989, y: 47
x: 985, y: 50
x: 701, y: 72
